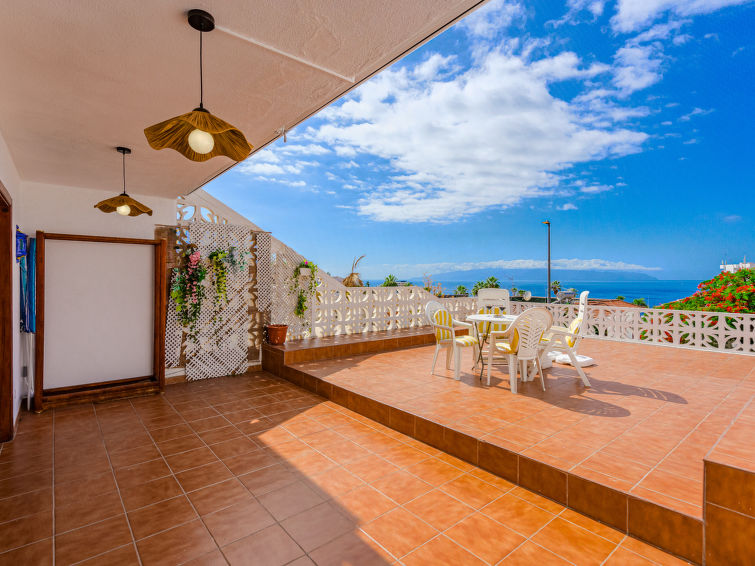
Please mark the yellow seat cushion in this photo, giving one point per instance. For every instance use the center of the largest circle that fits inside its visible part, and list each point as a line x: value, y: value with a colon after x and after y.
x: 466, y: 341
x: 573, y: 329
x: 509, y: 347
x: 442, y: 318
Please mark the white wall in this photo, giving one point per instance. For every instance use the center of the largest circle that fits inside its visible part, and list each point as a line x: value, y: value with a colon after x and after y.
x: 63, y: 209
x: 11, y: 181
x: 70, y: 210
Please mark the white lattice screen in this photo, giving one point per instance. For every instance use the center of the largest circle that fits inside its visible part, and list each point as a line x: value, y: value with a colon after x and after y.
x: 229, y: 338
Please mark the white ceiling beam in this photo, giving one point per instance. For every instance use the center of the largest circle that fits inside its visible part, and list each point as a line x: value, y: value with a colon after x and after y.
x: 253, y: 41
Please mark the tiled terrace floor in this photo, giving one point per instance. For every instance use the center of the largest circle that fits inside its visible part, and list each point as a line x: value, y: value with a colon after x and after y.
x: 643, y: 427
x: 252, y: 470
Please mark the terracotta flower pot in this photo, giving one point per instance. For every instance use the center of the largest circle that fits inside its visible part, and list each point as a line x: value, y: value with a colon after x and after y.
x: 276, y: 334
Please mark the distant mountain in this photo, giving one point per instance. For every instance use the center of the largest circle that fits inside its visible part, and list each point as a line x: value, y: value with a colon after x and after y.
x: 571, y: 275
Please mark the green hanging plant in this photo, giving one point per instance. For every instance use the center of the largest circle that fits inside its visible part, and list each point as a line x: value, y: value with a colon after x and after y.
x: 303, y: 293
x: 220, y: 272
x: 187, y: 290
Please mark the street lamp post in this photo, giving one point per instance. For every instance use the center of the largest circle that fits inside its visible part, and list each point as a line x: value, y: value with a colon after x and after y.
x: 548, y: 293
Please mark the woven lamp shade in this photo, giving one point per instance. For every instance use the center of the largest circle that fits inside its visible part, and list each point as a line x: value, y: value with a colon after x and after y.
x: 111, y: 204
x: 174, y: 133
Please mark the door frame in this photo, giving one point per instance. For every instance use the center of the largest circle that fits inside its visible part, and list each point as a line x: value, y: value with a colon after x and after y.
x: 7, y: 239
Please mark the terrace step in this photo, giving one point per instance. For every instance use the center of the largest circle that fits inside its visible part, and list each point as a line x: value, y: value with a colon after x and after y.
x: 655, y: 517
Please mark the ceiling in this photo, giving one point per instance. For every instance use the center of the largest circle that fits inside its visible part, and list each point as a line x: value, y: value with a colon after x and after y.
x: 80, y: 77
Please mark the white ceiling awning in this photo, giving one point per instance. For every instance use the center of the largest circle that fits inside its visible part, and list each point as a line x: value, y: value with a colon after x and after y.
x: 82, y: 77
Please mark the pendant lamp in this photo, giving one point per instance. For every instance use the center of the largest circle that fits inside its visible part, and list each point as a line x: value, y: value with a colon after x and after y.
x: 123, y: 204
x: 199, y: 135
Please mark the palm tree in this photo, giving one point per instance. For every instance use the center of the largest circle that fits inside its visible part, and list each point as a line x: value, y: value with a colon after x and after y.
x: 390, y: 281
x: 555, y: 287
x: 640, y: 302
x: 460, y: 290
x: 489, y: 283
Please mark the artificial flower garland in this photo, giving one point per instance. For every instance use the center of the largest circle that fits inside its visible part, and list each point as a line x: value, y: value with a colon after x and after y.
x: 187, y: 289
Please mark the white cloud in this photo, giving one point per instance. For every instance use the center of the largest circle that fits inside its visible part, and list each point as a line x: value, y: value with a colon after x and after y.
x: 496, y: 15
x: 412, y: 270
x: 691, y: 141
x: 693, y: 113
x: 732, y: 218
x: 309, y: 149
x: 637, y: 67
x: 567, y: 206
x: 488, y: 137
x: 633, y: 15
x: 576, y: 8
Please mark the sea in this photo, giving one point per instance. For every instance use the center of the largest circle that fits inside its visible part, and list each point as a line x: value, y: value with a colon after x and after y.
x: 654, y: 291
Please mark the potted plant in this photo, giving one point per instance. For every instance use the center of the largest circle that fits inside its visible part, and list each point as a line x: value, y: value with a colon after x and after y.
x: 276, y: 334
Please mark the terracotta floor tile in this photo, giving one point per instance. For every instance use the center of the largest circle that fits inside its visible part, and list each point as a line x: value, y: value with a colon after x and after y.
x: 317, y: 526
x: 163, y: 434
x: 141, y: 473
x: 530, y: 553
x: 574, y: 543
x: 190, y: 459
x: 25, y: 504
x: 290, y: 500
x: 122, y: 556
x: 233, y: 447
x: 593, y: 526
x: 197, y: 478
x: 371, y: 468
x: 441, y: 550
x: 212, y: 558
x: 38, y: 554
x: 150, y: 492
x: 214, y: 497
x: 472, y: 490
x: 134, y: 456
x: 269, y: 479
x: 237, y: 521
x: 434, y: 471
x: 353, y: 548
x: 177, y: 545
x: 439, y: 509
x: 71, y: 492
x: 623, y: 557
x: 161, y: 516
x: 75, y: 546
x: 87, y: 510
x: 251, y: 461
x: 335, y: 482
x: 25, y: 530
x: 401, y: 486
x: 182, y: 444
x: 399, y: 531
x: 518, y: 514
x: 365, y: 504
x: 485, y: 537
x: 271, y: 546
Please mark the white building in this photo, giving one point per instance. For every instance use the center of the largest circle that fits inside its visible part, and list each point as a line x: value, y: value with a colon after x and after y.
x: 734, y: 267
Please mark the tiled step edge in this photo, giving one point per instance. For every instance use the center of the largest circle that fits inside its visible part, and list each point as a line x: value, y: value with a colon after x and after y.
x: 669, y: 530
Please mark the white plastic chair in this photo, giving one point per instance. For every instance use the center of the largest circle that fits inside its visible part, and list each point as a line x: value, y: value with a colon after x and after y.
x: 565, y: 340
x: 494, y: 298
x: 523, y: 345
x: 445, y: 336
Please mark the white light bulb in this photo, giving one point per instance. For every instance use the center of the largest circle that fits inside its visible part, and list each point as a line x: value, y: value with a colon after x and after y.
x: 123, y: 210
x: 201, y: 141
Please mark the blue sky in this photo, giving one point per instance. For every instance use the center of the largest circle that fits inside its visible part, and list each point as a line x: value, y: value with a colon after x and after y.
x: 628, y: 124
